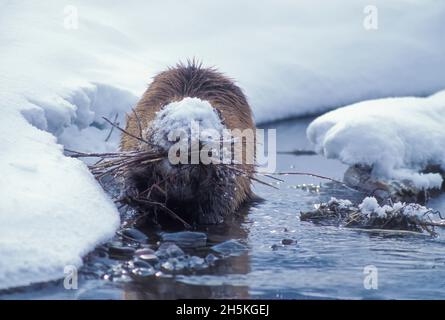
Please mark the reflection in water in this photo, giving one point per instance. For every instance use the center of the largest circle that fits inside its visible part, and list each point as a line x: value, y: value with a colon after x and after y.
x: 176, y: 287
x: 173, y: 289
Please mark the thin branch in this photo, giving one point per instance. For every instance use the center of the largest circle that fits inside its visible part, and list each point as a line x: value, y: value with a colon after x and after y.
x: 306, y: 174
x: 299, y: 152
x: 138, y: 121
x: 316, y: 176
x: 272, y: 177
x: 166, y: 209
x: 126, y: 132
x: 112, y: 128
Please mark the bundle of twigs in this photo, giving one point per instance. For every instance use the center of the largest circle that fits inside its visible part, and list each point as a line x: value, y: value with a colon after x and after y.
x: 341, y: 213
x: 118, y: 165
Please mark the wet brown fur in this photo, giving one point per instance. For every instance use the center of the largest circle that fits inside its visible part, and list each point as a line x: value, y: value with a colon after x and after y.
x: 192, y: 80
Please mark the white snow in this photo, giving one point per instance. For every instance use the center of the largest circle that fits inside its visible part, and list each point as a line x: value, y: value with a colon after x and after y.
x: 51, y: 211
x: 397, y: 136
x: 190, y: 116
x: 289, y: 58
x: 86, y: 130
x: 371, y: 208
x: 414, y: 209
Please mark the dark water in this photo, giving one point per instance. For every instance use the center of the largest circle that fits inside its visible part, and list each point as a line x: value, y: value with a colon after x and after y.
x: 319, y: 262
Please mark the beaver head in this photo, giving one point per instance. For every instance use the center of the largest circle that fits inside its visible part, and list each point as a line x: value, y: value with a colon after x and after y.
x: 179, y: 101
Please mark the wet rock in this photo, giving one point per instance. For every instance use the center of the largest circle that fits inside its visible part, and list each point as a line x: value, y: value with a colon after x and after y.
x: 134, y: 234
x: 119, y: 269
x: 169, y: 250
x: 101, y: 251
x: 152, y: 258
x: 197, y: 263
x: 230, y: 248
x: 121, y: 251
x: 145, y: 246
x: 173, y: 264
x: 138, y: 263
x: 115, y: 243
x: 287, y: 242
x: 141, y: 252
x: 211, y: 258
x: 186, y: 239
x: 144, y: 272
x: 118, y: 273
x: 147, y: 255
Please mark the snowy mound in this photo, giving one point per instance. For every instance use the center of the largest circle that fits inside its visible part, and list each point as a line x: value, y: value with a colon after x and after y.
x: 370, y: 208
x: 291, y: 59
x: 52, y: 212
x: 398, y: 137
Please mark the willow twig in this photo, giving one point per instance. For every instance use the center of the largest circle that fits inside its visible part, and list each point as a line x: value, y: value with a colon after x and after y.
x: 126, y: 132
x: 112, y: 128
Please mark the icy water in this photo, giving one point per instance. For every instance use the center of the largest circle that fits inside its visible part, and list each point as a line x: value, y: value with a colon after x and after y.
x: 268, y: 253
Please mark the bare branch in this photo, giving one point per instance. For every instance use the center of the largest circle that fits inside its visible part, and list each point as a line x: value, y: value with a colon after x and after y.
x: 112, y: 128
x: 126, y: 132
x: 138, y: 121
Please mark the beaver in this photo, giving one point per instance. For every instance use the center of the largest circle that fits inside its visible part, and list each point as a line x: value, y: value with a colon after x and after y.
x: 198, y: 193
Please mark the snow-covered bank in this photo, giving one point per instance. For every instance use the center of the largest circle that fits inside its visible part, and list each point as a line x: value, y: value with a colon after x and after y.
x: 86, y: 130
x: 51, y: 211
x: 398, y: 137
x: 290, y: 57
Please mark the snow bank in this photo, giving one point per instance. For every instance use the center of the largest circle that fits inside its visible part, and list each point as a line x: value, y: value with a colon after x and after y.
x: 52, y: 212
x: 290, y: 57
x: 86, y: 130
x: 398, y: 137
